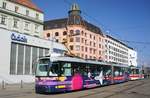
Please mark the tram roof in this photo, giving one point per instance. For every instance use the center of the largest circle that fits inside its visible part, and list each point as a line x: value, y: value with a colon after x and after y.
x: 135, y: 67
x: 79, y: 60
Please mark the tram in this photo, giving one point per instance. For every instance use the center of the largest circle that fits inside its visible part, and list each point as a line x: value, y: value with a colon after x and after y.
x: 63, y: 73
x: 136, y: 73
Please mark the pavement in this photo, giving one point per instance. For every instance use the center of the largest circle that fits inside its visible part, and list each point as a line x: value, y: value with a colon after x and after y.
x: 131, y: 89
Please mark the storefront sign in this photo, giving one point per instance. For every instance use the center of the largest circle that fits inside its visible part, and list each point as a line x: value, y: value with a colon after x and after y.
x: 18, y: 37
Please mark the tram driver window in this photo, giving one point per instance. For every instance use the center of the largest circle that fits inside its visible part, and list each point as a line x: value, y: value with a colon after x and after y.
x: 54, y: 70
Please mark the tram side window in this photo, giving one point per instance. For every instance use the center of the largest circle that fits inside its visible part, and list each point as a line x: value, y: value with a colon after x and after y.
x: 107, y: 71
x: 93, y: 71
x: 137, y: 71
x: 82, y: 69
x: 75, y: 67
x: 66, y: 69
x: 116, y: 71
x: 79, y: 68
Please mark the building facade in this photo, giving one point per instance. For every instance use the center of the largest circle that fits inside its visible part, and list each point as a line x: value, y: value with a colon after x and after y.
x: 118, y: 52
x: 19, y: 53
x: 21, y: 28
x: 21, y: 16
x: 82, y: 38
x: 132, y: 57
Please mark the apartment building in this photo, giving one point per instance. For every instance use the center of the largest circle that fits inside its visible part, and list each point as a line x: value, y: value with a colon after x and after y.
x: 82, y: 38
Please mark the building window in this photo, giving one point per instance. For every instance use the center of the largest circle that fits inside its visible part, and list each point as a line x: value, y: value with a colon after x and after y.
x: 85, y: 34
x: 94, y: 51
x: 64, y: 33
x: 16, y: 8
x: 77, y: 39
x: 78, y: 54
x: 4, y: 5
x: 13, y: 58
x: 90, y: 57
x: 48, y: 35
x: 77, y: 21
x: 20, y: 59
x: 78, y: 32
x: 77, y: 47
x: 71, y: 39
x: 82, y: 40
x: 27, y: 12
x: 86, y: 49
x: 85, y: 42
x: 56, y: 40
x: 27, y: 26
x: 94, y: 37
x: 3, y: 20
x: 100, y: 40
x: 36, y: 28
x: 100, y: 58
x: 56, y: 34
x: 90, y: 36
x: 99, y: 52
x: 27, y: 59
x: 94, y: 45
x: 82, y: 48
x: 90, y: 43
x: 90, y: 50
x: 99, y: 45
x: 71, y: 32
x: 86, y: 56
x: 82, y: 33
x: 71, y: 47
x: 37, y: 16
x: 16, y: 21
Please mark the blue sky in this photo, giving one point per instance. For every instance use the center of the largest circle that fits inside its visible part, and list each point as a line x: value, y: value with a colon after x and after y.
x: 123, y: 19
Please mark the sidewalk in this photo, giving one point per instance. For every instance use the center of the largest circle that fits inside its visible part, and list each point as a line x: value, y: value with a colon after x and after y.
x: 14, y: 87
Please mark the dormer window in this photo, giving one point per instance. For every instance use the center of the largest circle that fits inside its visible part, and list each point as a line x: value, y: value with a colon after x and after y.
x: 3, y: 20
x: 16, y: 8
x: 27, y: 12
x: 4, y: 5
x: 27, y: 26
x: 37, y: 16
x: 16, y: 23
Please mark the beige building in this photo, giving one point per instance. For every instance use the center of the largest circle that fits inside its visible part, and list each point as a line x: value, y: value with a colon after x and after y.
x: 81, y: 37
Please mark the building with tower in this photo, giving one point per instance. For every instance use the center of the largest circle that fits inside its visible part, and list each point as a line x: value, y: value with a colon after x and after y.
x: 82, y: 38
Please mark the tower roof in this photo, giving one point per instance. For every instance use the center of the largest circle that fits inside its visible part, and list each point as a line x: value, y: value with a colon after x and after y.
x: 75, y: 7
x: 27, y: 3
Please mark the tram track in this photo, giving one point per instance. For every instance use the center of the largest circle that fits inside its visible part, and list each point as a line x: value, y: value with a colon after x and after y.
x: 129, y: 86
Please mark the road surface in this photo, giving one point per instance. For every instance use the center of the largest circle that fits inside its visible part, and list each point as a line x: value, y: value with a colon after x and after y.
x: 131, y: 89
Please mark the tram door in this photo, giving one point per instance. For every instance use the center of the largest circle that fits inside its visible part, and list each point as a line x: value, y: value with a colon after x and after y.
x: 107, y: 72
x: 118, y: 73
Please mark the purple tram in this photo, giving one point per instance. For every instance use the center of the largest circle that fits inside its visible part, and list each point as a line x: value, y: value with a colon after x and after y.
x: 62, y: 73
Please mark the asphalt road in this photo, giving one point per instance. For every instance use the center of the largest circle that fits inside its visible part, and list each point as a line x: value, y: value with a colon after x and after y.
x: 131, y: 89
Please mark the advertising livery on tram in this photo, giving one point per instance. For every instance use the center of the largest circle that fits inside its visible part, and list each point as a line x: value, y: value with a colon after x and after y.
x: 62, y: 73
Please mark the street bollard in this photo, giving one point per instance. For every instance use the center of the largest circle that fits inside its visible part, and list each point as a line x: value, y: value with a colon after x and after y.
x: 3, y: 85
x: 21, y: 85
